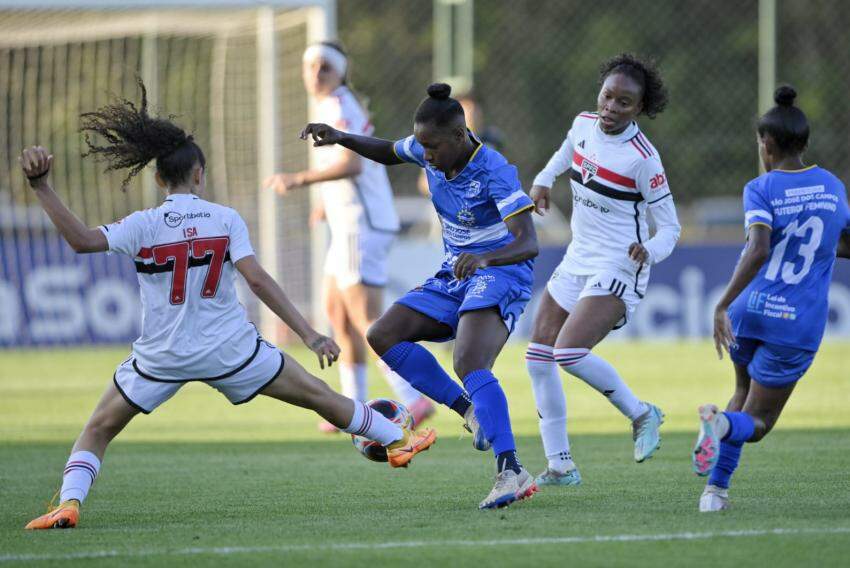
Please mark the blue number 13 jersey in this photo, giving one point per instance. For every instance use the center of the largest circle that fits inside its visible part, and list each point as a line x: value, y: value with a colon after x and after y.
x: 786, y: 303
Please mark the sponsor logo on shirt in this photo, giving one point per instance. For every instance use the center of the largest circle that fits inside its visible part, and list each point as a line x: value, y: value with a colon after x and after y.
x: 473, y: 190
x: 174, y: 219
x: 466, y: 217
x: 771, y: 306
x: 578, y: 200
x: 658, y: 181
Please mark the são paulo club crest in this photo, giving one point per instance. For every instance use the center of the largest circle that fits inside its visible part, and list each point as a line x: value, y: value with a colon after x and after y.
x: 473, y: 190
x: 588, y: 170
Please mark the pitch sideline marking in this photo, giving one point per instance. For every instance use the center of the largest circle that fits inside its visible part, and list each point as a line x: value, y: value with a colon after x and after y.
x: 228, y: 550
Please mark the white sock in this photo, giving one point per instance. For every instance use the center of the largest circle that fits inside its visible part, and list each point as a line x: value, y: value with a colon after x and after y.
x: 599, y: 374
x: 373, y: 425
x: 352, y: 379
x: 405, y: 392
x: 80, y: 472
x: 551, y: 405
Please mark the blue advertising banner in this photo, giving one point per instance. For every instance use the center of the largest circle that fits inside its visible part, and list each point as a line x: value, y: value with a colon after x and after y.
x: 684, y: 288
x: 52, y: 296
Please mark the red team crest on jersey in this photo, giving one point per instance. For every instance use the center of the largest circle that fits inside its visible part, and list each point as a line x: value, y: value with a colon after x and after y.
x: 588, y: 170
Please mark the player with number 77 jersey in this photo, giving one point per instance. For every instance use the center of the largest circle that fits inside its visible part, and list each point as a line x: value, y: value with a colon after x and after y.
x: 187, y: 252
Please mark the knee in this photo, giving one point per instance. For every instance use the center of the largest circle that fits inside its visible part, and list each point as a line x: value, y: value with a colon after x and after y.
x: 381, y: 337
x: 544, y: 333
x: 763, y: 426
x: 465, y: 362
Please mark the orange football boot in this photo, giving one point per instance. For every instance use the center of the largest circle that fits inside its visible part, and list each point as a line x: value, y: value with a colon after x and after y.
x: 65, y: 516
x: 400, y: 453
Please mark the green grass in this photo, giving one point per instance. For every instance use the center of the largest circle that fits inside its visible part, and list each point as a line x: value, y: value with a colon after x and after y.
x: 201, y: 482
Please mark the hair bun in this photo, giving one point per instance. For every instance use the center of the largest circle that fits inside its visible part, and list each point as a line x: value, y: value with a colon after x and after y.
x: 784, y: 96
x: 439, y: 91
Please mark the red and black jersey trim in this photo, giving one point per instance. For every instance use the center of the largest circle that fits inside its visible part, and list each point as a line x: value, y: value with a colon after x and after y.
x: 641, y: 144
x: 218, y: 378
x: 152, y: 268
x: 597, y: 187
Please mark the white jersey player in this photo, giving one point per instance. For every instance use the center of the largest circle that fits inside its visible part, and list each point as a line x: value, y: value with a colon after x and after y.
x: 357, y: 202
x: 616, y: 176
x: 186, y: 253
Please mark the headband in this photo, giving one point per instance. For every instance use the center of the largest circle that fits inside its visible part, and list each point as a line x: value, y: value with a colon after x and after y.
x: 333, y: 57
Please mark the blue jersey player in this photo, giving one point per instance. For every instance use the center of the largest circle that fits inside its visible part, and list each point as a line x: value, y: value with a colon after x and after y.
x: 772, y: 315
x: 482, y: 286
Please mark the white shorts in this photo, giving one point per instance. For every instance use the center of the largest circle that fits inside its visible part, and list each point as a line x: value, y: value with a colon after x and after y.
x: 567, y: 289
x: 359, y: 258
x: 145, y: 393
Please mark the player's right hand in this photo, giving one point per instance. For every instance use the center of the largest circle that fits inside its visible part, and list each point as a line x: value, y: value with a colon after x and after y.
x: 325, y: 347
x: 723, y: 335
x: 35, y: 163
x: 540, y: 196
x: 323, y: 135
x: 317, y: 215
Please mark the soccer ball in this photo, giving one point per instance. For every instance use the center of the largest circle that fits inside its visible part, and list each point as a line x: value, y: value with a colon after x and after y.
x: 394, y: 412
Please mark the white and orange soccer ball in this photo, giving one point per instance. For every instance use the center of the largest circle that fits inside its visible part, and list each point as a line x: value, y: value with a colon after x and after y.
x: 393, y: 411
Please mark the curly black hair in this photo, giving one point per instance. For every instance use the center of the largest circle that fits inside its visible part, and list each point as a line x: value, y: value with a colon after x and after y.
x: 646, y: 73
x: 134, y: 138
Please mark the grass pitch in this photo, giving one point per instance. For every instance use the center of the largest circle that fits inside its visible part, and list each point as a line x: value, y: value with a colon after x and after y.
x: 201, y: 482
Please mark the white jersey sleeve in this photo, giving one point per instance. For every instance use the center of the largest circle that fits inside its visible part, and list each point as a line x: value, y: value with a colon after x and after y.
x: 651, y: 181
x: 559, y: 163
x: 240, y: 241
x: 126, y: 235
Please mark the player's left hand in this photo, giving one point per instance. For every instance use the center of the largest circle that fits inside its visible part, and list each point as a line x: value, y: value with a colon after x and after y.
x: 638, y: 253
x: 723, y: 336
x: 325, y: 347
x: 466, y: 265
x: 283, y: 182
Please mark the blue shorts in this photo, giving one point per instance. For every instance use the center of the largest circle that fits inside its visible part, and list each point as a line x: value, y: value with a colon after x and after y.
x: 445, y: 299
x: 769, y: 364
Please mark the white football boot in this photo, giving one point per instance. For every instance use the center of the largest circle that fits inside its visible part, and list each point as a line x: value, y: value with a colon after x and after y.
x: 713, y: 498
x: 510, y: 486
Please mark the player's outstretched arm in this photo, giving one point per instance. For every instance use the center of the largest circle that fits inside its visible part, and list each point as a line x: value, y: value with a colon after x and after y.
x: 375, y: 149
x: 754, y: 257
x: 349, y: 165
x: 523, y: 247
x: 273, y: 296
x: 36, y: 163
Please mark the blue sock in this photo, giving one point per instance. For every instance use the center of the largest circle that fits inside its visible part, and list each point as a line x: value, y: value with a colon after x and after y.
x: 491, y: 409
x: 741, y: 427
x: 419, y: 368
x: 727, y: 461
